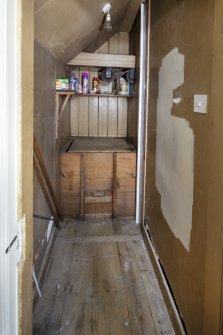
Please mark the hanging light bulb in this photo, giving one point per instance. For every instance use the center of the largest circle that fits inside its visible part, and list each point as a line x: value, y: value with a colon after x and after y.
x: 108, y: 22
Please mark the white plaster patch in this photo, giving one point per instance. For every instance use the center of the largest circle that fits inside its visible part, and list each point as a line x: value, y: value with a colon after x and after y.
x: 174, y: 152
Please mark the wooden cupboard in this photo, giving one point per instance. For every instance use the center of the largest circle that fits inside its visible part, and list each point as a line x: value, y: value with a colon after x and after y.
x: 98, y: 183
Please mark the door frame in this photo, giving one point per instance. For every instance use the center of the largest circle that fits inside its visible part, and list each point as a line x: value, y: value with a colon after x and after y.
x: 16, y: 171
x: 10, y: 237
x: 142, y: 110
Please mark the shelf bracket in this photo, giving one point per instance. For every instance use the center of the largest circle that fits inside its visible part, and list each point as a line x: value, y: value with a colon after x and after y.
x: 59, y: 111
x: 63, y: 106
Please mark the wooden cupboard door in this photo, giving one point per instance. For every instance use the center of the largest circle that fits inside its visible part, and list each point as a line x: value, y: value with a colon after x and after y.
x: 124, y: 184
x: 98, y: 171
x: 98, y: 185
x: 70, y: 168
x: 98, y: 205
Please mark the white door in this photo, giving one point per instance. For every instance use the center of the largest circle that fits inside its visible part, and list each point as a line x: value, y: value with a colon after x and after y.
x: 9, y: 115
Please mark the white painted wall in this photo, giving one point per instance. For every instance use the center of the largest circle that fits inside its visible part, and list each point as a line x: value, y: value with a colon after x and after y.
x: 174, y: 152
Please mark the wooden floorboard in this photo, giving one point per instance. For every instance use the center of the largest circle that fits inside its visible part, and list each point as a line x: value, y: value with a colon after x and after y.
x: 99, y: 239
x: 49, y: 309
x: 139, y: 307
x: 77, y: 312
x: 75, y: 228
x: 111, y: 291
x: 100, y: 281
x: 153, y: 292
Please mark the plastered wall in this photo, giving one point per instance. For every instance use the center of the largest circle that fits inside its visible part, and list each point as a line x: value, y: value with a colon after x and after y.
x: 180, y: 238
x: 174, y: 151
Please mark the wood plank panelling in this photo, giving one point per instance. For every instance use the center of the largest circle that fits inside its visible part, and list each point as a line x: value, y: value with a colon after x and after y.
x: 93, y: 116
x: 70, y: 184
x: 112, y: 117
x: 83, y: 108
x: 103, y: 117
x: 122, y: 117
x: 74, y: 116
x: 98, y: 171
x: 83, y: 116
x: 124, y: 184
x: 100, y: 116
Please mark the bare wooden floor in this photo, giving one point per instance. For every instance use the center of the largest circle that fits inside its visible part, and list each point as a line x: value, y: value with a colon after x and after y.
x: 100, y: 281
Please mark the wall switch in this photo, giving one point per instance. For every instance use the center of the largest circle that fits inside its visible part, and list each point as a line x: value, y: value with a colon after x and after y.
x: 200, y: 103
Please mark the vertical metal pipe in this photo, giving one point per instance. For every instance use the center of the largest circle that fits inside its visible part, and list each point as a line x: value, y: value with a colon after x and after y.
x: 140, y: 188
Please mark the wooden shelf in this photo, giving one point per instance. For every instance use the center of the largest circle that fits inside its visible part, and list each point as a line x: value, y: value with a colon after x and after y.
x: 67, y: 92
x: 96, y: 144
x: 103, y: 60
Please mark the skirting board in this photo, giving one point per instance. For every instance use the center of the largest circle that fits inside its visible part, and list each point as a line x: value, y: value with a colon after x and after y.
x: 43, y: 267
x: 169, y: 300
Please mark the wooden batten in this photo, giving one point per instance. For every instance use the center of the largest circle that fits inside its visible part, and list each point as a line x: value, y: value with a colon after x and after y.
x: 103, y: 60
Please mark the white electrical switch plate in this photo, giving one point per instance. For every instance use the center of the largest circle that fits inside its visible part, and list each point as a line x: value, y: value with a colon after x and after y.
x: 200, y: 103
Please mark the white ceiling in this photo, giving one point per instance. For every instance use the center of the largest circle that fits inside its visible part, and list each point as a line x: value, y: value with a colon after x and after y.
x: 67, y: 27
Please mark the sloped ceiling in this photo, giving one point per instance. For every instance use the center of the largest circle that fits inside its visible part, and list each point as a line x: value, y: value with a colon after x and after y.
x: 67, y: 27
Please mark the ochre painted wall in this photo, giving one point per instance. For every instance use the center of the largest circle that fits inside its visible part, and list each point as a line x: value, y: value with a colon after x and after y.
x: 189, y: 27
x: 213, y: 306
x: 25, y: 140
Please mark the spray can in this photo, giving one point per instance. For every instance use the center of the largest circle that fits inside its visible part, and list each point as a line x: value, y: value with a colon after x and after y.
x: 85, y: 82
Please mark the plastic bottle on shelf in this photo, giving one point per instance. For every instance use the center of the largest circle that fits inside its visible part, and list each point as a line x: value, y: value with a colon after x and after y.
x: 85, y: 82
x: 80, y: 88
x: 73, y: 81
x: 95, y: 85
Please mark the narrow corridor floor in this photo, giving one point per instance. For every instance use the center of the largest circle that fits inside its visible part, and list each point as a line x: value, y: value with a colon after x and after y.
x: 100, y: 281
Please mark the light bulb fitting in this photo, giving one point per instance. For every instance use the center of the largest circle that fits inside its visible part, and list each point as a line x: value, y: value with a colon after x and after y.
x: 108, y: 24
x: 106, y: 8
